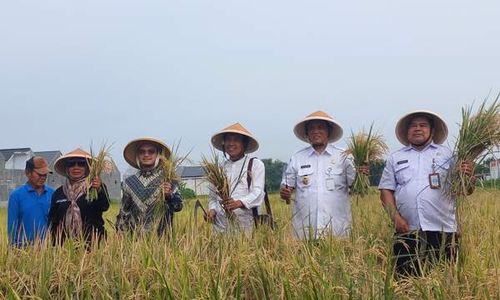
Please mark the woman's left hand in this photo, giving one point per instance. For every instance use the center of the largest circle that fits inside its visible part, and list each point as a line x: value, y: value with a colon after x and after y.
x: 96, y: 183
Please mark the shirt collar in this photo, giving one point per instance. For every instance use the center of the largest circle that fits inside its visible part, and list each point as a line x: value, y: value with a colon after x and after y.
x: 229, y: 161
x: 410, y: 147
x: 30, y: 188
x: 328, y: 150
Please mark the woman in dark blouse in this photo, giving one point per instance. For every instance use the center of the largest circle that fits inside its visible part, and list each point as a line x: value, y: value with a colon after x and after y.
x: 71, y: 213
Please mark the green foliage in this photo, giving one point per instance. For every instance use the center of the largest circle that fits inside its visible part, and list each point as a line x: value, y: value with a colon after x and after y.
x: 186, y: 193
x: 376, y: 170
x: 489, y: 184
x: 274, y: 172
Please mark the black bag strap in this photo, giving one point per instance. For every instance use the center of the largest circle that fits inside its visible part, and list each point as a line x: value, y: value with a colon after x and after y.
x: 255, y: 212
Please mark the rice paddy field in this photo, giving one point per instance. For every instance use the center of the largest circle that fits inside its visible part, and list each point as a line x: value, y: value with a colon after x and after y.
x: 195, y: 263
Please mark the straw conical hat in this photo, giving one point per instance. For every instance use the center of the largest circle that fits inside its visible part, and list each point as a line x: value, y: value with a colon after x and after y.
x: 335, y: 133
x: 218, y: 138
x: 60, y: 164
x: 130, y: 151
x: 440, y: 128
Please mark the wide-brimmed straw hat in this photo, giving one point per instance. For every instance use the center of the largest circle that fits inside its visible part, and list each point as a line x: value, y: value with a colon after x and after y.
x: 60, y: 164
x: 218, y: 138
x: 335, y: 132
x: 440, y: 129
x: 130, y: 151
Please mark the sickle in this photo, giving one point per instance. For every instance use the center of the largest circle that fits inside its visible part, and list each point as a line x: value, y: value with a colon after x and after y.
x: 198, y: 205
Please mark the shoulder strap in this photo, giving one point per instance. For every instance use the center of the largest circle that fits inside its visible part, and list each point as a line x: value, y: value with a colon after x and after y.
x: 266, y: 198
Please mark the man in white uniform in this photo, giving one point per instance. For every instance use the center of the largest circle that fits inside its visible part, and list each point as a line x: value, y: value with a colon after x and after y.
x: 413, y: 191
x: 321, y: 176
x: 237, y: 142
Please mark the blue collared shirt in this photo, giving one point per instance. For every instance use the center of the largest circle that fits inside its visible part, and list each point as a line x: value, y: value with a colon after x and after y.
x: 407, y: 174
x: 28, y: 214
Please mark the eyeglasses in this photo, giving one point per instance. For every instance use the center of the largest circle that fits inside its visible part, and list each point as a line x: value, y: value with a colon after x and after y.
x: 40, y: 174
x: 147, y: 151
x: 76, y: 163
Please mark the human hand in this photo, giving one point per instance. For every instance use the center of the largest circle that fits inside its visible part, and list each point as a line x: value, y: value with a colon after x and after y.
x: 167, y: 189
x: 401, y: 224
x: 467, y: 168
x: 364, y: 169
x: 286, y: 193
x: 210, y: 216
x: 231, y: 204
x: 96, y: 183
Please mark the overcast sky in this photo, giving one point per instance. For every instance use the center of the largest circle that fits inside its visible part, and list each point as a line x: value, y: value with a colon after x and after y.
x: 76, y: 72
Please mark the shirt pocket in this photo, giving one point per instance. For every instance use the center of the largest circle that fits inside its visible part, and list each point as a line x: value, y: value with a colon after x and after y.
x: 305, y: 178
x: 402, y: 174
x: 339, y: 178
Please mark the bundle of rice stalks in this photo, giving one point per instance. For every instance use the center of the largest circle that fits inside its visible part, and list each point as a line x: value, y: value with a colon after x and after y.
x: 169, y: 168
x: 98, y: 164
x: 217, y: 177
x: 364, y: 147
x: 479, y: 134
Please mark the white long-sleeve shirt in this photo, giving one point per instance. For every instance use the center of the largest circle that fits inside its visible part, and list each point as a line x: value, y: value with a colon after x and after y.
x: 407, y: 172
x: 250, y: 197
x: 321, y: 183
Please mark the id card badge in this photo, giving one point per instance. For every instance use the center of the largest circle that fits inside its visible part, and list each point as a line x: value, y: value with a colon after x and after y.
x: 330, y: 184
x: 434, y: 181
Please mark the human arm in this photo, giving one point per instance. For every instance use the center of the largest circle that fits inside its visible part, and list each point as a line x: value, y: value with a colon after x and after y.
x: 389, y: 203
x: 13, y: 220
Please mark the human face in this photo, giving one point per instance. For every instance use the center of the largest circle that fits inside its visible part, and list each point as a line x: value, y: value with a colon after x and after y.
x: 233, y: 146
x: 419, y: 131
x: 317, y: 133
x: 76, y: 169
x: 147, y: 155
x: 36, y: 179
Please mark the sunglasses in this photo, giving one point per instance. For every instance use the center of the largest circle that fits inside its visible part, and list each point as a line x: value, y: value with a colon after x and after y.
x: 147, y: 151
x: 76, y: 163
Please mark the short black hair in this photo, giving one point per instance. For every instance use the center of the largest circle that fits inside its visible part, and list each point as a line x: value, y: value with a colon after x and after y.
x: 30, y: 165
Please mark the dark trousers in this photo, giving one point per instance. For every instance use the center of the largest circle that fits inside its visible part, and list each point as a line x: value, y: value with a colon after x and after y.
x: 415, y: 252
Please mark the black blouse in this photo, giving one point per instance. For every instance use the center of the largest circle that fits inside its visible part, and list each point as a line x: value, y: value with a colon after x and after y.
x: 91, y: 212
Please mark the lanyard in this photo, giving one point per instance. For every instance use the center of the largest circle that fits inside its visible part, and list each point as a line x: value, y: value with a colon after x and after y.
x: 239, y: 176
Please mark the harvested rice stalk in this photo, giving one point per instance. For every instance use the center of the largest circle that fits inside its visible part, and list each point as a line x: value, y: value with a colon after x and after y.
x: 169, y: 167
x: 97, y: 165
x: 364, y: 148
x: 218, y: 179
x: 479, y: 134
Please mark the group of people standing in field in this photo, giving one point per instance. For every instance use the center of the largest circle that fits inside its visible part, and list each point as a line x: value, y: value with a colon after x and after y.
x: 320, y: 175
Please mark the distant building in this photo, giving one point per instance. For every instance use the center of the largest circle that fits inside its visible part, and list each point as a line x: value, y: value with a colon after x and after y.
x: 194, y: 178
x: 13, y: 162
x: 495, y: 169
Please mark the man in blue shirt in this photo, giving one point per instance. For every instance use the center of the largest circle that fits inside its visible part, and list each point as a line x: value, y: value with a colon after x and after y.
x: 29, y: 205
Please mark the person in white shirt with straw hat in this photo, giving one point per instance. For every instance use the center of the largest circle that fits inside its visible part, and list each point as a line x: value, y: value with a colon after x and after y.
x: 413, y: 192
x: 320, y: 174
x: 237, y: 142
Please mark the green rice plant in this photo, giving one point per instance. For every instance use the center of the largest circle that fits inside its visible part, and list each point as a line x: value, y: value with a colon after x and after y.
x: 364, y: 148
x: 98, y: 164
x: 479, y: 134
